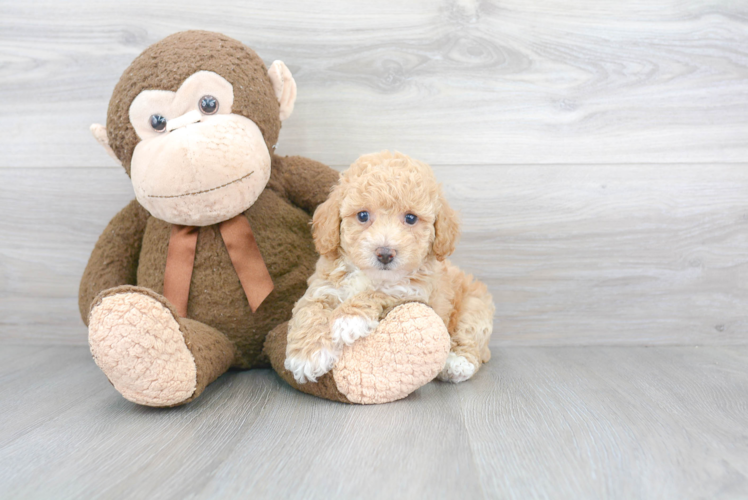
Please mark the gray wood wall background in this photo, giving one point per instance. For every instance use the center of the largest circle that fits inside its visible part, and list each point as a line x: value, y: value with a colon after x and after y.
x: 596, y: 149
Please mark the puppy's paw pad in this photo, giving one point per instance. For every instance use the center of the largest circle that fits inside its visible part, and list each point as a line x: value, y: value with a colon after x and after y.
x: 309, y: 369
x: 456, y: 369
x: 348, y: 329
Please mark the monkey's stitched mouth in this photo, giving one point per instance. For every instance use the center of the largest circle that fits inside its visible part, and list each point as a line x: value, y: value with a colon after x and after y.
x: 204, y: 190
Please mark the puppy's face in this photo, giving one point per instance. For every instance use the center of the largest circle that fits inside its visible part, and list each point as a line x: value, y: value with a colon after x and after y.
x: 386, y: 238
x: 386, y: 217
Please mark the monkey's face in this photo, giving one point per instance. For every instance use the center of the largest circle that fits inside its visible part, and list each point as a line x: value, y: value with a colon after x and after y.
x: 196, y: 163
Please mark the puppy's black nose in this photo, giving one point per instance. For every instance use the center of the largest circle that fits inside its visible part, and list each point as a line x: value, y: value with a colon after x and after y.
x: 385, y: 255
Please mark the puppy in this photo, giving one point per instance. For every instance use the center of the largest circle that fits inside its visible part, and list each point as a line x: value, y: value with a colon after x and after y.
x: 383, y: 236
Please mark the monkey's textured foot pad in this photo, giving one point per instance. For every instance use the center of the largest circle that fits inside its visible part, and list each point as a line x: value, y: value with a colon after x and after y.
x: 406, y: 351
x: 137, y: 343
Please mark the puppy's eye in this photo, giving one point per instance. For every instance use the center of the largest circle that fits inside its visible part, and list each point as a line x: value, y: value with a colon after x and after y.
x: 158, y: 123
x: 208, y: 104
x: 362, y: 216
x: 410, y: 219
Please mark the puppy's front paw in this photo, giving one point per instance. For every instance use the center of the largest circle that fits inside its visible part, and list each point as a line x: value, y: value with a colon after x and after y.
x: 348, y: 329
x: 456, y: 369
x: 308, y: 369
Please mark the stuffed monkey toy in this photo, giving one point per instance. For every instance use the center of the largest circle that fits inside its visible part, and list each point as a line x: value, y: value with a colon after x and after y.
x: 200, y: 273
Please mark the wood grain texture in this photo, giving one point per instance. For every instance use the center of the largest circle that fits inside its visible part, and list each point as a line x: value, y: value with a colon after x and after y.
x: 572, y: 254
x: 539, y: 422
x: 450, y: 81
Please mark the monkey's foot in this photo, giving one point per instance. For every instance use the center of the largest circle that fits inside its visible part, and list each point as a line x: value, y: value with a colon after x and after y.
x: 405, y: 351
x: 136, y: 341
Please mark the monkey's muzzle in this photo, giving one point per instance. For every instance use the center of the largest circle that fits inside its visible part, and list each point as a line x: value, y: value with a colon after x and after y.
x: 199, y: 173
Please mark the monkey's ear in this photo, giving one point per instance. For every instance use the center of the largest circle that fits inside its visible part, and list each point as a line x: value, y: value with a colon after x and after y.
x: 284, y: 87
x: 99, y: 133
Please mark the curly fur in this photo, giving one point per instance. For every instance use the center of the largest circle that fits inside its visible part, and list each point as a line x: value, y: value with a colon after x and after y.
x: 351, y: 290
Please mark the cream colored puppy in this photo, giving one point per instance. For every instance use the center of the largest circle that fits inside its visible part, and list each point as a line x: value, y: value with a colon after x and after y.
x: 383, y: 236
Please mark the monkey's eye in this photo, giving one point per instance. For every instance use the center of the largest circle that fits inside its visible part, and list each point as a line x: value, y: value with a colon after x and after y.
x: 158, y: 123
x: 362, y: 216
x: 208, y: 104
x: 410, y: 219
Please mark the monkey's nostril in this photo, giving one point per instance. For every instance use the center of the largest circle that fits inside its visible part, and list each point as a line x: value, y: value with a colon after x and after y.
x: 385, y: 255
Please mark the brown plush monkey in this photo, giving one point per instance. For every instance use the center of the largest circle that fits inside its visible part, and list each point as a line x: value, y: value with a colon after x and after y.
x: 188, y: 280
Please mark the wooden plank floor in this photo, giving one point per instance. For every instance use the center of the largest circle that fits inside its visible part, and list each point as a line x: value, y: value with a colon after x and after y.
x: 536, y: 422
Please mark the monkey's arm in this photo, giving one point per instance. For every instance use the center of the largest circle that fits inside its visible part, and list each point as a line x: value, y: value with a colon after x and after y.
x: 307, y: 182
x: 114, y: 260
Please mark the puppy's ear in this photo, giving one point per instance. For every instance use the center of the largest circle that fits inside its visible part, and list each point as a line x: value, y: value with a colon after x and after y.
x: 326, y: 224
x: 447, y: 229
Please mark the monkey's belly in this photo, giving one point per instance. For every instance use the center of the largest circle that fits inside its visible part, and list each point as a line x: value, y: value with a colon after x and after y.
x: 216, y: 296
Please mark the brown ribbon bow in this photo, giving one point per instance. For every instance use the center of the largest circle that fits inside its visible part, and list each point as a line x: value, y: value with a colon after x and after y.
x: 243, y: 251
